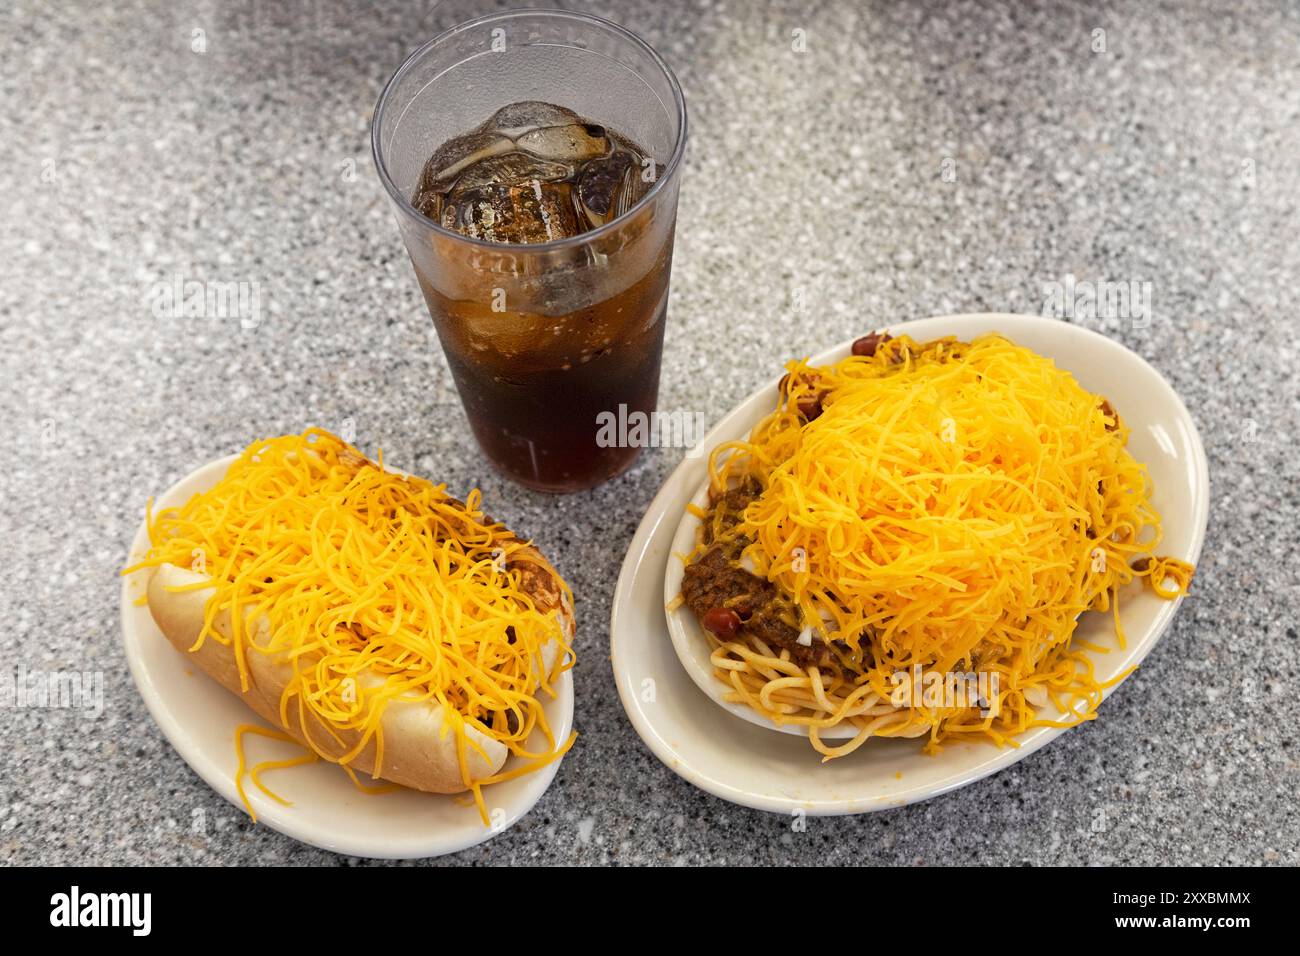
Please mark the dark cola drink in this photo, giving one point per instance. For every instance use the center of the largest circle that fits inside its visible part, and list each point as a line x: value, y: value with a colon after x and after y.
x: 550, y: 297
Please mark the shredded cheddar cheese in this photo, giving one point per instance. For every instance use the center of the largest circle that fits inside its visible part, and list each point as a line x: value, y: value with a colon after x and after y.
x: 255, y: 772
x: 378, y: 588
x: 949, y: 506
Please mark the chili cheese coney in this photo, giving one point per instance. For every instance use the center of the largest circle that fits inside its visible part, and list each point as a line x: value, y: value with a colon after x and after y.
x: 918, y: 510
x: 383, y: 624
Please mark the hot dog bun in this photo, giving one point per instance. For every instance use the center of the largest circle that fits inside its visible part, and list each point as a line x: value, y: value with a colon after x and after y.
x: 381, y: 622
x: 419, y: 750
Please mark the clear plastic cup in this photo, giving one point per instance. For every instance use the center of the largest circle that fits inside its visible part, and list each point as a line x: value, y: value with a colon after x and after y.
x: 544, y: 340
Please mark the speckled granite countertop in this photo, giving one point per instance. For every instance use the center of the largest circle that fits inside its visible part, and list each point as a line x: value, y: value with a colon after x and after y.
x: 912, y: 161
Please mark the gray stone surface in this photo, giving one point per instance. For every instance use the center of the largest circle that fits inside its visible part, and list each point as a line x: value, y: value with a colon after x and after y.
x: 1169, y: 157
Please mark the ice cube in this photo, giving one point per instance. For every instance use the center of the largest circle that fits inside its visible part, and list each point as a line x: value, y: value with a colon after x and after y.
x: 457, y: 155
x: 573, y: 143
x: 528, y: 115
x: 539, y: 129
x: 512, y: 169
x: 607, y: 187
x: 534, y: 212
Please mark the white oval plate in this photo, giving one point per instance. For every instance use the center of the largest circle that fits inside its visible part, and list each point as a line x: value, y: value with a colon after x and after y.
x: 749, y: 764
x: 199, y: 716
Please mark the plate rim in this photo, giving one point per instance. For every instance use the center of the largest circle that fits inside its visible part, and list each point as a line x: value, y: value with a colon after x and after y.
x: 273, y: 815
x: 999, y: 758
